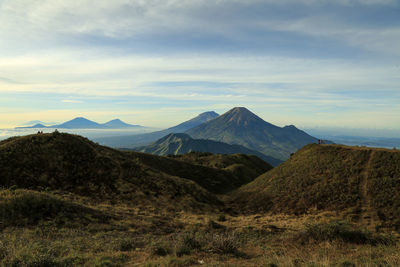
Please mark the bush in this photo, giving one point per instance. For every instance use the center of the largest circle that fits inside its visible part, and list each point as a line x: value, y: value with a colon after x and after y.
x: 214, y: 225
x: 187, y: 243
x: 183, y: 262
x: 221, y: 218
x: 346, y: 264
x: 159, y: 249
x: 225, y: 243
x: 126, y: 244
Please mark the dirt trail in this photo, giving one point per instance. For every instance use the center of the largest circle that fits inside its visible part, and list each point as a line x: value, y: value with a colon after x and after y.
x: 368, y: 216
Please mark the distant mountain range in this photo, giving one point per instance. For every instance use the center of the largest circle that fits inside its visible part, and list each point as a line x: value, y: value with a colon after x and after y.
x: 242, y: 127
x: 180, y: 143
x: 238, y: 126
x: 83, y: 123
x: 132, y: 141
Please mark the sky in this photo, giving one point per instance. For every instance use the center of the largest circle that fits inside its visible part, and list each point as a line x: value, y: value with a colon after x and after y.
x: 311, y: 63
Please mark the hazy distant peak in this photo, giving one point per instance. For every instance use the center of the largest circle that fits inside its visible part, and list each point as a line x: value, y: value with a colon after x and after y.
x: 205, y: 116
x: 209, y: 113
x: 80, y: 119
x: 38, y: 125
x: 115, y: 120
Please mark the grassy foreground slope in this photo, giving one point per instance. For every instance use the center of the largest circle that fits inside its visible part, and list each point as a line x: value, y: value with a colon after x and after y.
x: 358, y: 180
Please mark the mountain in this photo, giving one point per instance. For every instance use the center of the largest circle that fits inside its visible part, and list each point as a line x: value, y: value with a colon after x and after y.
x: 30, y: 123
x: 78, y: 123
x: 71, y: 163
x: 362, y: 183
x: 242, y: 127
x: 132, y: 141
x: 118, y: 124
x: 83, y: 123
x: 180, y: 143
x: 38, y: 125
x: 184, y: 126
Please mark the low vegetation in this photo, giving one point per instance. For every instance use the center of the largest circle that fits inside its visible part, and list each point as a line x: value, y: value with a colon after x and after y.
x: 25, y: 208
x: 328, y: 177
x: 132, y: 211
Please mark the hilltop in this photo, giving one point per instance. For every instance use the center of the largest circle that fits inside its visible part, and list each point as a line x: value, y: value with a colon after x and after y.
x: 358, y: 181
x: 242, y: 127
x: 74, y: 164
x: 180, y: 143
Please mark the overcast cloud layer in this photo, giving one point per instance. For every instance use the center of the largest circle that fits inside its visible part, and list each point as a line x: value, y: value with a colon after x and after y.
x: 156, y: 63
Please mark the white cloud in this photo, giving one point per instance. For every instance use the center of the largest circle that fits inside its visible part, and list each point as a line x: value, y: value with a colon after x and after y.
x: 39, y: 53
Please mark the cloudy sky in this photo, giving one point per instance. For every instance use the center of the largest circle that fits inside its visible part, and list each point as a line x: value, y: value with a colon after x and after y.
x: 325, y: 63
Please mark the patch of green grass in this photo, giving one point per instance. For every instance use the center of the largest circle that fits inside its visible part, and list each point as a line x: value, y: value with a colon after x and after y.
x: 339, y: 230
x: 25, y: 207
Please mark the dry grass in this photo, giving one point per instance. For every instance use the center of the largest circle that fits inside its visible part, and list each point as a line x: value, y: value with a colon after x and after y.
x: 138, y: 237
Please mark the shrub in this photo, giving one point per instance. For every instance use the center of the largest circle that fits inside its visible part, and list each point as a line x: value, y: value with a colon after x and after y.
x: 183, y: 262
x: 188, y: 242
x: 221, y: 218
x: 13, y: 188
x: 3, y: 250
x: 225, y: 243
x: 214, y: 225
x: 159, y: 249
x: 126, y: 244
x: 346, y: 264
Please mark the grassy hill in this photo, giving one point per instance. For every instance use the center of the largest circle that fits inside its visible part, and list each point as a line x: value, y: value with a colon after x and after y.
x: 242, y: 127
x: 244, y: 167
x: 72, y: 163
x: 180, y: 143
x: 361, y: 181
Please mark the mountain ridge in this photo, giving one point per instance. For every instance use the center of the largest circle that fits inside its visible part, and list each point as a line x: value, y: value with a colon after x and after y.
x: 83, y: 123
x: 181, y: 143
x: 132, y: 141
x: 242, y: 127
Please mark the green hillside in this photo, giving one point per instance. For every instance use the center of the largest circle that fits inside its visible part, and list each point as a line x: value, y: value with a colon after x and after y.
x: 362, y: 181
x: 245, y: 167
x: 74, y: 164
x: 242, y: 127
x: 180, y: 143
